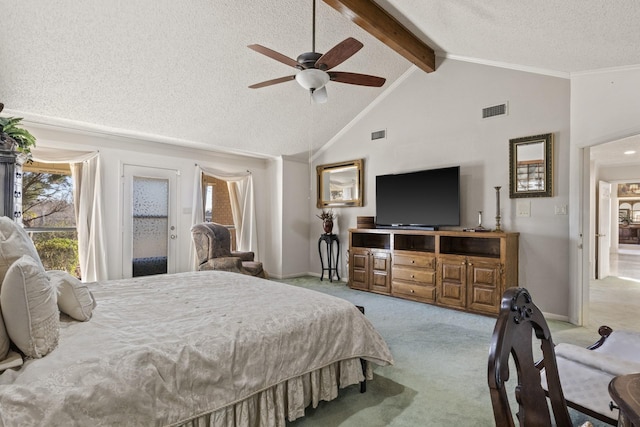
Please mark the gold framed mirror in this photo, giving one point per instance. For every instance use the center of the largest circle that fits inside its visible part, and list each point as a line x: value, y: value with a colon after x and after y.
x: 531, y: 166
x: 340, y: 184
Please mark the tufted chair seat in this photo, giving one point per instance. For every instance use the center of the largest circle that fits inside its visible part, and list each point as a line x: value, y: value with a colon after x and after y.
x: 213, y: 249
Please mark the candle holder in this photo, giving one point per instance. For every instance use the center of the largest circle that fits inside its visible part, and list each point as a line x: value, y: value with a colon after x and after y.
x: 497, y: 209
x: 479, y: 227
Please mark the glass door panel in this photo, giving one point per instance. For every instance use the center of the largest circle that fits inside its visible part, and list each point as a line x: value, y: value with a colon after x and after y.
x: 150, y: 225
x: 148, y: 229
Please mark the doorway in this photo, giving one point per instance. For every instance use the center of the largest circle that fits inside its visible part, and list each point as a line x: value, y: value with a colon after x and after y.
x: 614, y: 297
x: 149, y: 221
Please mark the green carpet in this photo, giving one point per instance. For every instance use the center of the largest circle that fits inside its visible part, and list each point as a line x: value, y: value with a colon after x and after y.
x: 440, y: 372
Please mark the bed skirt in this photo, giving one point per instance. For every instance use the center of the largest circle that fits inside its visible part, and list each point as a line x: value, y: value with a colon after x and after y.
x: 286, y: 400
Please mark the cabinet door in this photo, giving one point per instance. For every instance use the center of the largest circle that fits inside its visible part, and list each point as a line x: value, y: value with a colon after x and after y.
x: 359, y: 269
x: 380, y: 268
x: 484, y: 290
x: 452, y: 277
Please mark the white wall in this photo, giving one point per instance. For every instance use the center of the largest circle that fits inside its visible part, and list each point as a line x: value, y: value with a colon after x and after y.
x: 116, y: 151
x: 295, y: 217
x: 434, y: 120
x: 289, y: 222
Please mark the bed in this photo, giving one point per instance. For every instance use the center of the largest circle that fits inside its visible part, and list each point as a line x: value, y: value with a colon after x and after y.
x: 191, y: 349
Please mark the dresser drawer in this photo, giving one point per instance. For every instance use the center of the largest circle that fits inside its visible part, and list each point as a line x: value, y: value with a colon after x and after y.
x: 414, y: 260
x: 427, y: 293
x: 425, y: 277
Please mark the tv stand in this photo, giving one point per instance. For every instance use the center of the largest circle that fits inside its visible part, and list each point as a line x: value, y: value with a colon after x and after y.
x: 454, y: 269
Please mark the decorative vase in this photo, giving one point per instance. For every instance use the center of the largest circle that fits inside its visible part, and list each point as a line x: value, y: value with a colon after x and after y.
x: 327, y: 226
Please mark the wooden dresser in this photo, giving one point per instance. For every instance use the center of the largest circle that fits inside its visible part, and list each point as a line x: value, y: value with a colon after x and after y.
x: 455, y: 269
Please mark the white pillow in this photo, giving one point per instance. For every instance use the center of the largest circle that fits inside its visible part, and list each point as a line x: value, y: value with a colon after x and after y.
x: 14, y: 242
x: 74, y: 297
x: 29, y: 308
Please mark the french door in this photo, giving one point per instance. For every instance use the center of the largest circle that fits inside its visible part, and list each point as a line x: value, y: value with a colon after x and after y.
x: 149, y: 215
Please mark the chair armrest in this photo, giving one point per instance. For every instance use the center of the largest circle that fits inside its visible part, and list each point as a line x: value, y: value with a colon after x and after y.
x: 604, y: 331
x: 223, y: 264
x: 244, y: 256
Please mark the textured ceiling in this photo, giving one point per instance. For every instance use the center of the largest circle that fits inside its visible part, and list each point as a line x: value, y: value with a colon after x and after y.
x: 566, y: 36
x: 181, y: 69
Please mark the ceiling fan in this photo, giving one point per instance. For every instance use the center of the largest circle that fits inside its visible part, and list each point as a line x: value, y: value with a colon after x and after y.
x: 314, y: 68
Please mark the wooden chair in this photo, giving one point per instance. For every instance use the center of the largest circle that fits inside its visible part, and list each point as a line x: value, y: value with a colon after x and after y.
x: 518, y: 320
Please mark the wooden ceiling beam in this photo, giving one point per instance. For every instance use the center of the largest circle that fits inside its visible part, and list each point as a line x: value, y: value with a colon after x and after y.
x: 378, y: 22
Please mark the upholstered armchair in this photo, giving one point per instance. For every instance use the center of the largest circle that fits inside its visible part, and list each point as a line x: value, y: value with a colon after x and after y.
x: 213, y: 249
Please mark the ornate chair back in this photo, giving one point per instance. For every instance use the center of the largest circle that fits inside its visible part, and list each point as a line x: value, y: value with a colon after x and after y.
x: 518, y: 321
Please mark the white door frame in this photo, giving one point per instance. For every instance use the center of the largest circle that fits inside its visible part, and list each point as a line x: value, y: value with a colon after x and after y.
x: 171, y: 175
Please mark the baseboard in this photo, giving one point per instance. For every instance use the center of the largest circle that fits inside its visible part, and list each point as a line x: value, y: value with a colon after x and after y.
x: 288, y: 276
x: 551, y: 316
x: 318, y: 275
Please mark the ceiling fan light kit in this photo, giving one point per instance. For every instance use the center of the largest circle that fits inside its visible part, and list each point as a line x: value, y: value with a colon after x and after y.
x: 319, y: 96
x: 312, y: 78
x: 313, y: 67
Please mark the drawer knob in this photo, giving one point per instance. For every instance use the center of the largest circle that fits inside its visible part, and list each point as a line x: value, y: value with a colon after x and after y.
x: 412, y: 291
x: 412, y: 276
x: 413, y: 261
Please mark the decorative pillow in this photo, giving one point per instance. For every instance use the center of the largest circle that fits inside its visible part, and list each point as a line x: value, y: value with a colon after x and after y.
x: 14, y: 242
x: 74, y: 297
x: 29, y: 308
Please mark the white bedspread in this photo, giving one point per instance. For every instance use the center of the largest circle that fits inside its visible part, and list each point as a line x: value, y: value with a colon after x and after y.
x: 161, y: 350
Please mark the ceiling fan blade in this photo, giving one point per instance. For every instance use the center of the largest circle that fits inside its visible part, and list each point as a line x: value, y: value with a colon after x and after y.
x: 274, y: 55
x: 272, y: 82
x: 356, y: 79
x: 338, y: 54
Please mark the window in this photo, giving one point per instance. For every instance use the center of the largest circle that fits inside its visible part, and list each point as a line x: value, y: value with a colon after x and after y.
x: 48, y: 214
x: 217, y: 205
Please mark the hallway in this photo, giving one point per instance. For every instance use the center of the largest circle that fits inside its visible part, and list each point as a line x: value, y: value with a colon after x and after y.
x: 626, y: 263
x: 615, y: 300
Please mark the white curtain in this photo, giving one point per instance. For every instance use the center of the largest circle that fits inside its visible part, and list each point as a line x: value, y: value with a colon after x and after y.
x: 242, y: 207
x: 85, y: 171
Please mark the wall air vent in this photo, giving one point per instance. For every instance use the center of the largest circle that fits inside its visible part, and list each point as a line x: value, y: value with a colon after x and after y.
x: 495, y: 110
x: 378, y: 134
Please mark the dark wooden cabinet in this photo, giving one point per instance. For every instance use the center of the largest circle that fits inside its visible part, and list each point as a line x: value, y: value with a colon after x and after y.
x: 7, y: 179
x: 452, y: 281
x: 370, y: 263
x: 454, y: 269
x: 629, y: 234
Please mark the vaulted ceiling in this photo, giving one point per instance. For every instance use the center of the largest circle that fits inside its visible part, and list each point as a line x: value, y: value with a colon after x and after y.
x: 182, y: 69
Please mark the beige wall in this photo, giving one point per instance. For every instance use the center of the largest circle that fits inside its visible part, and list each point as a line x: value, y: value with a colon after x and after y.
x: 434, y: 120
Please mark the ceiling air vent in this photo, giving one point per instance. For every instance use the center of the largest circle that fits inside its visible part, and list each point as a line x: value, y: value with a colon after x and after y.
x: 494, y: 110
x: 378, y: 134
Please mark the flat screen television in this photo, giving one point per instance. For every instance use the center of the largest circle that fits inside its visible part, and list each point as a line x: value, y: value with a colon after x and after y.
x: 423, y: 199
